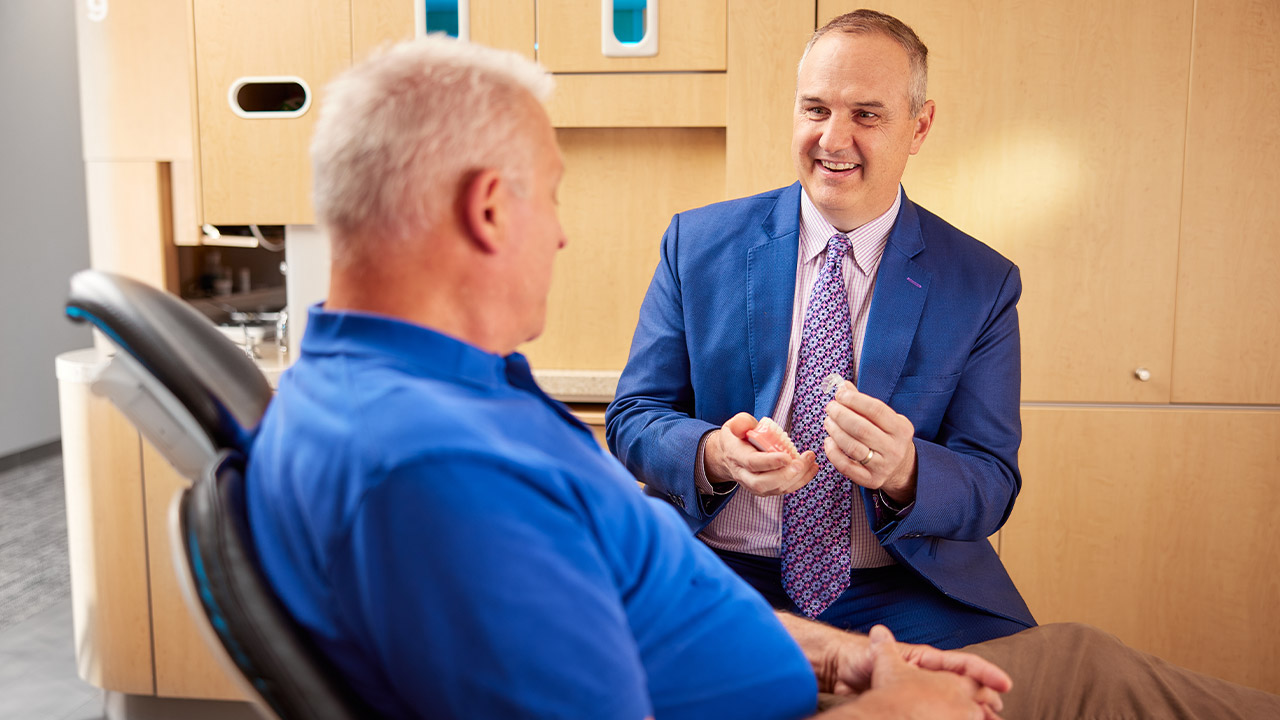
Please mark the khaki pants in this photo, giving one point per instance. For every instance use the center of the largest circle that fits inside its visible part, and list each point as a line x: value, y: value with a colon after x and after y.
x: 1074, y: 672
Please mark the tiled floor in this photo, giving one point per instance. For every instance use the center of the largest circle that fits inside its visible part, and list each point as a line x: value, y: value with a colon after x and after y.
x: 38, y: 681
x: 38, y: 678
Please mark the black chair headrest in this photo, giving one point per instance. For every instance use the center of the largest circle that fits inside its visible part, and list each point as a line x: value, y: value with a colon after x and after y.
x: 220, y: 386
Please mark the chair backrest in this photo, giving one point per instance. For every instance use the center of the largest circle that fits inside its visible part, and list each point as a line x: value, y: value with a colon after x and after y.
x: 187, y: 387
x: 199, y: 399
x: 260, y: 637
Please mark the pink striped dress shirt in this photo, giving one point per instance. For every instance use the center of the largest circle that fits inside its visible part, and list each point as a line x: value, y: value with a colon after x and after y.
x: 753, y: 524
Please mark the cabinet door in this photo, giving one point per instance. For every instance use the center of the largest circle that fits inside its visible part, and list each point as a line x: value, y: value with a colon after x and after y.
x: 614, y: 233
x: 186, y: 666
x: 766, y: 39
x: 507, y: 24
x: 1058, y: 140
x: 256, y: 169
x: 690, y: 36
x: 135, y: 82
x: 375, y: 23
x: 130, y: 228
x: 107, y: 541
x: 1227, y: 347
x: 1157, y: 525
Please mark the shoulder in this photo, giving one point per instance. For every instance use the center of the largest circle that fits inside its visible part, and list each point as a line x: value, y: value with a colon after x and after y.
x: 950, y: 249
x: 760, y: 203
x: 762, y: 215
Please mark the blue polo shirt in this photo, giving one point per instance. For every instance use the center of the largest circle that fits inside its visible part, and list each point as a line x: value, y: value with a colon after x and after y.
x: 459, y: 545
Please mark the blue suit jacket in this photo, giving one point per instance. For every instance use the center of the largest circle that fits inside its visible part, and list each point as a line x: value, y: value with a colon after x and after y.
x: 941, y: 348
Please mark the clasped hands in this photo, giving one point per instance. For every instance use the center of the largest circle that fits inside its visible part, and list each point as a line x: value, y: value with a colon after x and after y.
x: 859, y: 428
x: 898, y: 680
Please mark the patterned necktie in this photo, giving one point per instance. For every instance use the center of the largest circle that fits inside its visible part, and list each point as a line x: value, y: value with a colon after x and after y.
x: 815, y: 519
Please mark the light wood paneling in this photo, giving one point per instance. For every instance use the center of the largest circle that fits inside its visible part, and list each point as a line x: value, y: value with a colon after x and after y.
x: 766, y: 38
x: 184, y: 188
x: 257, y: 170
x: 129, y: 220
x: 135, y: 82
x: 1227, y: 338
x: 691, y: 36
x: 592, y: 415
x: 1058, y: 140
x: 107, y: 541
x: 507, y: 24
x: 639, y: 100
x: 614, y: 231
x: 1156, y: 525
x: 375, y: 23
x: 185, y: 665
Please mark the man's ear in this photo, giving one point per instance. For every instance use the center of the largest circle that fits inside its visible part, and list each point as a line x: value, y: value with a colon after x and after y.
x: 923, y: 122
x: 483, y: 210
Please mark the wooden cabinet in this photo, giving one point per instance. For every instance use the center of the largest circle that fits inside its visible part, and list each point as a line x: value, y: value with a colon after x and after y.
x: 106, y: 538
x: 641, y: 145
x: 1227, y: 336
x: 134, y: 634
x: 1058, y: 140
x: 135, y: 83
x: 614, y: 231
x: 1156, y: 524
x: 255, y: 169
x: 690, y: 36
x: 137, y: 102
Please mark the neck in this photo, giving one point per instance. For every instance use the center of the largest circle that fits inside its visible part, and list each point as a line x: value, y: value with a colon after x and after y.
x: 440, y: 294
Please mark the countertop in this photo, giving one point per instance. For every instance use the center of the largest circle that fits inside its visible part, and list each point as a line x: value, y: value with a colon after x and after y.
x: 569, y: 386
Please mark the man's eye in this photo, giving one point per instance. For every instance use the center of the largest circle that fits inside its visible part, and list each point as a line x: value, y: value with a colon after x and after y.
x: 864, y: 115
x: 817, y: 111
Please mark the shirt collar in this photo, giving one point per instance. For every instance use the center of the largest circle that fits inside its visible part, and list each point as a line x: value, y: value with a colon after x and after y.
x: 867, y: 242
x: 413, y: 348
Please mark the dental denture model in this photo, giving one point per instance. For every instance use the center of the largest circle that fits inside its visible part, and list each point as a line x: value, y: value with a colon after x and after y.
x: 768, y: 436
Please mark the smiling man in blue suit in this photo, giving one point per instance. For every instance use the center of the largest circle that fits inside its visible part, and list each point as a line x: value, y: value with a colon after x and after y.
x: 909, y: 463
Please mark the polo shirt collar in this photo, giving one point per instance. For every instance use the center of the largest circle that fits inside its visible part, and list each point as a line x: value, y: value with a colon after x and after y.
x: 413, y: 348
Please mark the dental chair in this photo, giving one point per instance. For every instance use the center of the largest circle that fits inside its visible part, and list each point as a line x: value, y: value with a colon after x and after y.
x: 198, y: 398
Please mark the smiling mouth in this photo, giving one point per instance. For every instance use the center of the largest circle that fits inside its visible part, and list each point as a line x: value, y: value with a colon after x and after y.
x: 838, y: 166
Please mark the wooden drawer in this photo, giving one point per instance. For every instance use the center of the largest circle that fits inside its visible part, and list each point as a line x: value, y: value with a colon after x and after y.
x: 256, y: 169
x: 690, y: 36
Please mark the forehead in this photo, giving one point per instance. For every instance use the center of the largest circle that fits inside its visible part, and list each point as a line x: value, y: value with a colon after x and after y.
x: 540, y: 132
x: 845, y: 64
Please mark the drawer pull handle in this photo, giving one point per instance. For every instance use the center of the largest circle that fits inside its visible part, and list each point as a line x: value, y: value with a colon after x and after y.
x: 611, y: 46
x: 451, y: 17
x: 277, y: 96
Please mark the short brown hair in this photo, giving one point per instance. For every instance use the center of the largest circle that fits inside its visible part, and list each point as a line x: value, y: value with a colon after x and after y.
x: 860, y: 22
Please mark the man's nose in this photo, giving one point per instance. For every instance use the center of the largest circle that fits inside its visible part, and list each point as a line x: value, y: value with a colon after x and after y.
x: 837, y: 135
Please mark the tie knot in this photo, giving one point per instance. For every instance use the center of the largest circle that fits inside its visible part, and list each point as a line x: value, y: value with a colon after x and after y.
x: 838, y: 245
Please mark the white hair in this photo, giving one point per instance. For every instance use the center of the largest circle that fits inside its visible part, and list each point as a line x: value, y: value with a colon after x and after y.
x: 399, y: 133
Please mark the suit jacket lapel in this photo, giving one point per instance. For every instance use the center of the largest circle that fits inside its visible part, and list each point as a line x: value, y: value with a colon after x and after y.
x: 771, y: 284
x: 896, y: 306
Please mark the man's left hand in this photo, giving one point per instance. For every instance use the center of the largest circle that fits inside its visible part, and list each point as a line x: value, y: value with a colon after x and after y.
x: 871, y: 444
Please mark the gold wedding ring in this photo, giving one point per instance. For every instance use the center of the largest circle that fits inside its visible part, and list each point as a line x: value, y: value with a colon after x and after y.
x: 870, y: 454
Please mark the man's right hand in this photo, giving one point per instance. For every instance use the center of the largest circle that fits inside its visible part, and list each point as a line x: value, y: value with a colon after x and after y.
x: 729, y: 457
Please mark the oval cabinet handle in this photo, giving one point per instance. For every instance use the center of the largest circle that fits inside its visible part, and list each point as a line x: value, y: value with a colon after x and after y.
x: 1142, y: 374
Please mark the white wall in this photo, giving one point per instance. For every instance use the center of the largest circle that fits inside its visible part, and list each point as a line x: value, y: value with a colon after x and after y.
x: 43, y: 226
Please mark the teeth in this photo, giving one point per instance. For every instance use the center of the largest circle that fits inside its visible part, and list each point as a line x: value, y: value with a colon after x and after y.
x: 838, y: 166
